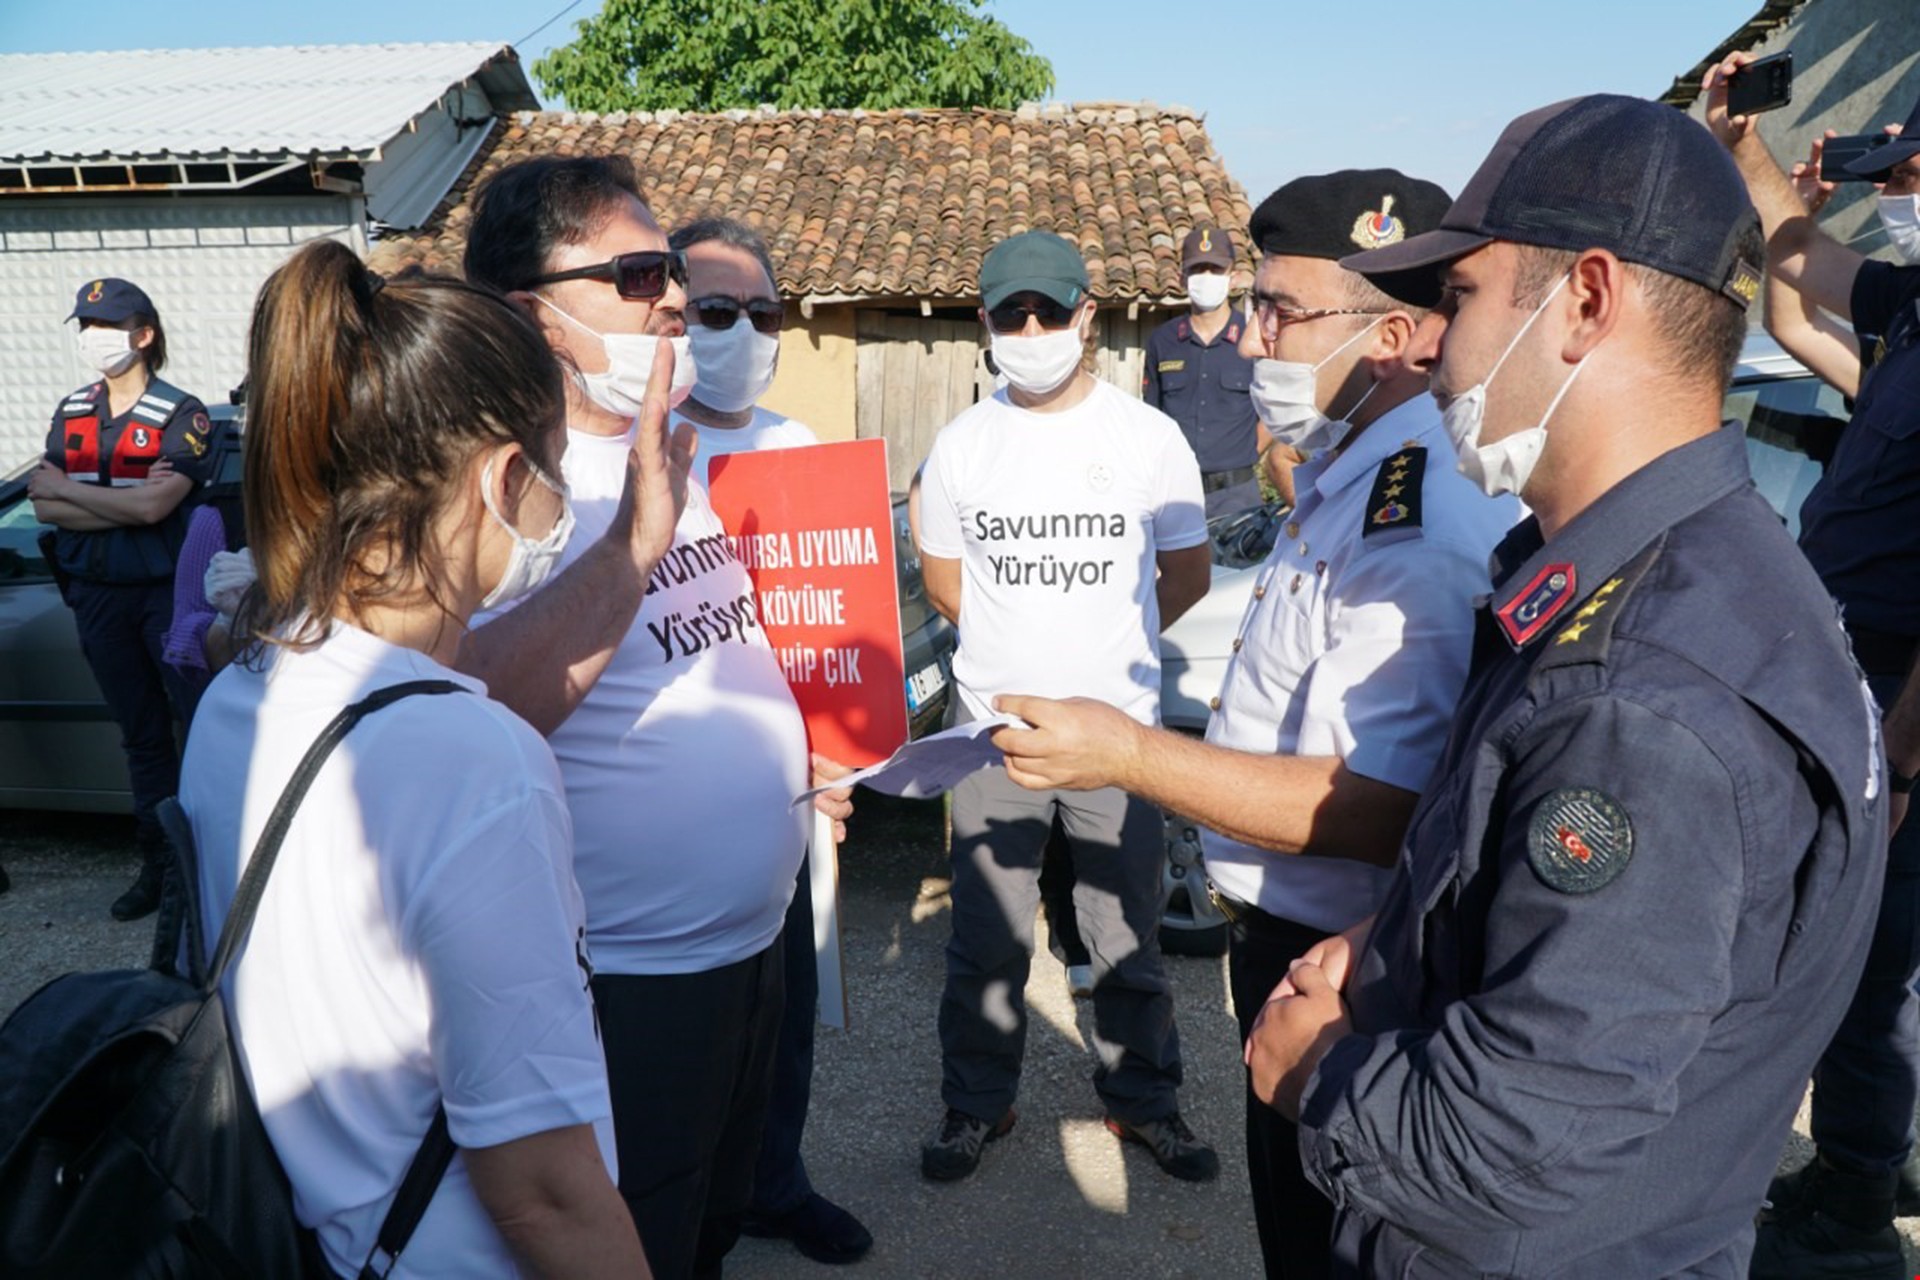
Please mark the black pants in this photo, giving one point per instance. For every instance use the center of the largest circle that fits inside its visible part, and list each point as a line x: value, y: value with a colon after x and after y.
x: 780, y: 1183
x: 1294, y: 1219
x: 122, y: 632
x: 689, y: 1064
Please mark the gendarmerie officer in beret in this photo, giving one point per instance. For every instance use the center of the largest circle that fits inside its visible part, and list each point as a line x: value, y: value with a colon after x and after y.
x: 1637, y: 892
x: 1196, y: 375
x: 1350, y: 656
x: 124, y: 452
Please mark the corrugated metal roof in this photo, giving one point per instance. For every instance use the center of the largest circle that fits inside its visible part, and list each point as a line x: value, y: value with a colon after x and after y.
x: 243, y: 102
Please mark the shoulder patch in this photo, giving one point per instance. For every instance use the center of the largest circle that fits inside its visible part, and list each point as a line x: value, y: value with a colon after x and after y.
x: 1394, y: 505
x: 1580, y: 840
x: 196, y: 434
x: 1588, y: 632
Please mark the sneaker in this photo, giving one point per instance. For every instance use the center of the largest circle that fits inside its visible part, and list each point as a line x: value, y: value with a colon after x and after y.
x: 1175, y: 1148
x: 1814, y: 1246
x: 1080, y: 980
x: 819, y: 1229
x: 142, y: 897
x: 953, y: 1151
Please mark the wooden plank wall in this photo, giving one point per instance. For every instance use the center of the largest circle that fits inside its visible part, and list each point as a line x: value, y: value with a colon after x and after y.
x: 915, y: 374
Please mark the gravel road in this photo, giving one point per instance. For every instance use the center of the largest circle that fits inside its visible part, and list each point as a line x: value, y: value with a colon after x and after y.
x: 1058, y: 1198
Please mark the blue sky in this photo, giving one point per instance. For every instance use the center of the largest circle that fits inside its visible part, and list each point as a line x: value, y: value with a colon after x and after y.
x: 1288, y: 86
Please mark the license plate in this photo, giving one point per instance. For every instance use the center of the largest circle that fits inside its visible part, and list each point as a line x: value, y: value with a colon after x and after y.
x: 924, y: 685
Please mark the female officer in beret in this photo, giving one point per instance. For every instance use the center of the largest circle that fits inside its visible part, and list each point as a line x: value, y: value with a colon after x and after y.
x: 123, y: 454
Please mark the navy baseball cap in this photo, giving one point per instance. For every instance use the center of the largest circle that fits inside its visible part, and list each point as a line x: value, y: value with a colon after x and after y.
x: 1878, y: 162
x: 1639, y: 179
x: 111, y: 301
x: 1033, y: 261
x: 1208, y: 246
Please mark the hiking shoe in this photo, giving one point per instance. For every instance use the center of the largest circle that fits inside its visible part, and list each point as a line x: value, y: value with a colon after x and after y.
x: 953, y: 1151
x: 819, y: 1229
x: 1080, y: 980
x: 1175, y: 1148
x: 142, y: 897
x: 1814, y: 1246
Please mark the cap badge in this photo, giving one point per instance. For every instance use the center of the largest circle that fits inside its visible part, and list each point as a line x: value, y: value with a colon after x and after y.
x: 1378, y: 228
x: 1206, y: 240
x: 93, y: 294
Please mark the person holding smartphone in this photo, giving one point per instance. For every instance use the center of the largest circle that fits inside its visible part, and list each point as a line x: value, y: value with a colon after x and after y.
x: 1860, y: 528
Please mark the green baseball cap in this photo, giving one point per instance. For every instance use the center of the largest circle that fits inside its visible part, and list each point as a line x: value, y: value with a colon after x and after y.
x: 1037, y: 261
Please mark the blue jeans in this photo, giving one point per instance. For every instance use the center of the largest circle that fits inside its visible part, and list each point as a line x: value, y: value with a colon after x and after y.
x: 1868, y: 1081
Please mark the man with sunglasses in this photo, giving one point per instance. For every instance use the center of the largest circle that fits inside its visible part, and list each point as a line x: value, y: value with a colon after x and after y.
x: 677, y: 737
x: 1196, y: 375
x: 734, y: 318
x: 1351, y: 654
x: 1060, y: 529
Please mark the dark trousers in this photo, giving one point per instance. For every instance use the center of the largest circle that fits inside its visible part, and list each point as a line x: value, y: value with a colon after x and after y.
x: 122, y: 633
x: 1294, y: 1219
x: 689, y: 1065
x: 999, y: 832
x: 1866, y: 1084
x: 780, y: 1182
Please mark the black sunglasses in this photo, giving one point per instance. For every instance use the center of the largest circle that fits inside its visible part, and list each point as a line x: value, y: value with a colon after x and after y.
x: 1011, y: 317
x: 720, y: 312
x: 638, y: 277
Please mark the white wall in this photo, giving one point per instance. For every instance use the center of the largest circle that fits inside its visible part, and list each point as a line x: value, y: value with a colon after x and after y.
x: 201, y: 259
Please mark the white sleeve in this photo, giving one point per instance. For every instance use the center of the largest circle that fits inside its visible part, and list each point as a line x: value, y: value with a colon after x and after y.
x: 1180, y: 514
x: 940, y: 531
x: 513, y: 1036
x: 1382, y: 695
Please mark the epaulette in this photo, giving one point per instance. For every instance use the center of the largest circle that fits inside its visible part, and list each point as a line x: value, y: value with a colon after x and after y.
x: 1587, y: 633
x: 1393, y: 509
x: 158, y: 402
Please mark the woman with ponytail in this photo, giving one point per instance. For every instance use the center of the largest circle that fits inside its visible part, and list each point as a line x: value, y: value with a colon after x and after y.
x: 421, y: 940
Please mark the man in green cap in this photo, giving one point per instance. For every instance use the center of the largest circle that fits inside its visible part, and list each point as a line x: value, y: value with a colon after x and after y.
x: 1067, y: 517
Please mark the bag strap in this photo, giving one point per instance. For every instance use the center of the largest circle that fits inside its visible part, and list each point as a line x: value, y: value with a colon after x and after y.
x: 436, y: 1149
x: 246, y: 898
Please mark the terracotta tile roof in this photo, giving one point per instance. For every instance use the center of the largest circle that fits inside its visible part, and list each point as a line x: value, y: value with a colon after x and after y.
x: 898, y: 203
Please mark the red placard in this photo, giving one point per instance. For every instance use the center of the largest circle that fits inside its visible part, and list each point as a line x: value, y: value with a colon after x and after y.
x: 814, y: 527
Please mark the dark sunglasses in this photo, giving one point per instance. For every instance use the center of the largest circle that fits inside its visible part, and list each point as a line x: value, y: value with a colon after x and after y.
x: 638, y: 277
x: 1011, y: 317
x: 720, y: 312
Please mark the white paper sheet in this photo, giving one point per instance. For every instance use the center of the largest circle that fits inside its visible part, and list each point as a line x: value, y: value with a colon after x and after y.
x: 932, y: 765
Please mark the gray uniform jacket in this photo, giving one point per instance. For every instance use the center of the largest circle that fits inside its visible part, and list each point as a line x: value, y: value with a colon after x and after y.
x: 1631, y: 906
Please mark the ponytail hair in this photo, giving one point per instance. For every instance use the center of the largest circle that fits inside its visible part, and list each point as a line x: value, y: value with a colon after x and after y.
x: 366, y: 401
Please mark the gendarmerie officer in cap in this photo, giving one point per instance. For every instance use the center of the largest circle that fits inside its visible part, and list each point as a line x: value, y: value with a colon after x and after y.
x: 1350, y: 656
x: 1196, y: 375
x: 1636, y: 894
x: 123, y: 454
x: 1860, y: 528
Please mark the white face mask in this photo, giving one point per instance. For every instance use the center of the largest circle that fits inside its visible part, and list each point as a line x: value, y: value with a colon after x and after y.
x: 1900, y: 219
x: 1286, y: 398
x: 1207, y: 290
x: 736, y: 364
x: 622, y: 385
x: 108, y: 350
x: 1505, y: 465
x: 1039, y: 364
x: 530, y: 561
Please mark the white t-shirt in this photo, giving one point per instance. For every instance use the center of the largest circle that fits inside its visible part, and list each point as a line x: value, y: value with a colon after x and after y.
x: 1056, y: 519
x: 1355, y: 646
x: 421, y: 938
x: 768, y: 430
x: 682, y: 762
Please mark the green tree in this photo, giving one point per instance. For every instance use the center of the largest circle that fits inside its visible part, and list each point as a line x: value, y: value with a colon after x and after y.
x: 713, y: 55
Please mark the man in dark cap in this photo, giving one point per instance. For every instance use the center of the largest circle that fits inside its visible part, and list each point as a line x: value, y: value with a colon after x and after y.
x: 1636, y: 892
x: 1196, y: 375
x: 1350, y: 657
x: 1860, y: 528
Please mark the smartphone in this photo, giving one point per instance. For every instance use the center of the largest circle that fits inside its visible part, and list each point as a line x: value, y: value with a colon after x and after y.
x: 1761, y: 86
x: 1839, y: 152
